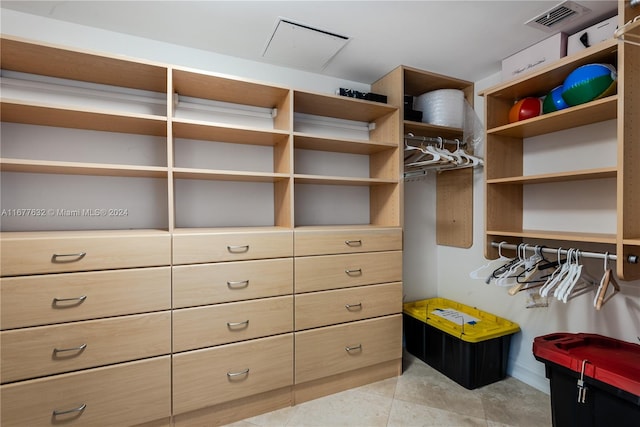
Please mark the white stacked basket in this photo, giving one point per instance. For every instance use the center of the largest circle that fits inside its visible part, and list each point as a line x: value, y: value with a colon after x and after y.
x: 442, y: 107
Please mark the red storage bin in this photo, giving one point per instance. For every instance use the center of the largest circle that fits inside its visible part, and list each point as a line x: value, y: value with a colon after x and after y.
x: 610, y: 372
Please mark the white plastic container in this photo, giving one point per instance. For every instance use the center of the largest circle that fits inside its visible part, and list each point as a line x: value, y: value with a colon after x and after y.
x: 442, y: 107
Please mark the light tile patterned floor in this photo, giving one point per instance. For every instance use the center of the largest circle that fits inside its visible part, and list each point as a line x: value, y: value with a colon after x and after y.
x: 420, y: 397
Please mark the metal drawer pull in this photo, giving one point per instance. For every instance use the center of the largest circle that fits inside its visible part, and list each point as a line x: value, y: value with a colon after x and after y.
x: 62, y: 350
x: 353, y: 243
x: 238, y: 249
x: 77, y: 300
x: 237, y: 374
x: 354, y: 272
x: 69, y: 411
x: 354, y: 306
x: 236, y: 324
x: 355, y: 347
x: 238, y: 284
x: 75, y: 257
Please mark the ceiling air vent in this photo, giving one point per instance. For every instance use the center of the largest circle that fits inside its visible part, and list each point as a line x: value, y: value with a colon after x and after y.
x: 558, y: 16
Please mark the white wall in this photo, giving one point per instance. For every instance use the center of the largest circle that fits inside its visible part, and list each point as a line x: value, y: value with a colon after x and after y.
x: 430, y: 270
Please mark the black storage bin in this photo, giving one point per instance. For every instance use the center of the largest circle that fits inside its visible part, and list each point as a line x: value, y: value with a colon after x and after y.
x: 604, y: 404
x: 413, y: 335
x: 473, y: 354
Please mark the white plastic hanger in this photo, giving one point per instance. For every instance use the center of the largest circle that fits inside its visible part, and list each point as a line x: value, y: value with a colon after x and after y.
x: 484, y: 272
x: 509, y: 276
x: 556, y: 276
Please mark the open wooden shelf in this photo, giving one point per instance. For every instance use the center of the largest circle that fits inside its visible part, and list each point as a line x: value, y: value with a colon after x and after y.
x: 335, y: 180
x: 506, y: 142
x: 600, y: 173
x: 219, y: 175
x: 339, y: 145
x: 207, y: 131
x: 556, y: 235
x: 340, y: 107
x: 592, y: 112
x: 81, y: 168
x: 61, y: 116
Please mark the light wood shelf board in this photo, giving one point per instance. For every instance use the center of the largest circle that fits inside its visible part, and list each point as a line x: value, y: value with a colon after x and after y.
x: 222, y: 175
x: 553, y: 74
x: 596, y: 111
x: 632, y: 242
x: 427, y: 129
x: 600, y: 173
x: 557, y: 235
x: 32, y: 235
x: 417, y: 82
x: 335, y: 180
x: 340, y: 145
x: 50, y: 60
x: 78, y: 168
x: 199, y: 84
x: 340, y: 107
x: 200, y: 130
x: 232, y: 230
x: 108, y: 121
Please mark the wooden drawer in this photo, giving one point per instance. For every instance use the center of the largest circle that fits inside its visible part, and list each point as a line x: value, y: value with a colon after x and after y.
x: 345, y: 305
x: 337, y: 349
x: 231, y: 281
x: 57, y: 298
x: 346, y: 240
x: 207, y: 377
x: 55, y: 252
x: 193, y: 247
x: 340, y: 271
x: 45, y: 350
x: 224, y: 323
x: 119, y: 395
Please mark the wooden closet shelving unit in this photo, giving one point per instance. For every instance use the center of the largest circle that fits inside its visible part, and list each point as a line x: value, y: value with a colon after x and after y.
x: 228, y: 186
x: 454, y: 188
x: 505, y: 181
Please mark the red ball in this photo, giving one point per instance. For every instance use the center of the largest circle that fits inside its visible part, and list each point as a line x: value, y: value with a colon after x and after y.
x: 525, y: 109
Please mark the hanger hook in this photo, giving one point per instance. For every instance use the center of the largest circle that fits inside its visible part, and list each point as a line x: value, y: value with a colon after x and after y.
x: 606, y: 261
x: 500, y: 248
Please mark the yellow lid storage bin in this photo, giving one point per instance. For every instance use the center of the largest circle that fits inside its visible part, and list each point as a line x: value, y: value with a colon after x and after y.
x: 468, y: 345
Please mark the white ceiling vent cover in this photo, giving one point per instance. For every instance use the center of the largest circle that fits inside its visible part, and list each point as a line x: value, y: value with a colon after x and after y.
x: 300, y: 46
x: 558, y: 16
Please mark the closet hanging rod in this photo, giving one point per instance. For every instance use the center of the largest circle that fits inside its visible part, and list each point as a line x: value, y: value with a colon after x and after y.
x: 631, y: 259
x: 412, y: 137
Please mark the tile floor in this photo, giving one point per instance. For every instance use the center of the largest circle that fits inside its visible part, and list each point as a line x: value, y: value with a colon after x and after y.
x: 420, y: 397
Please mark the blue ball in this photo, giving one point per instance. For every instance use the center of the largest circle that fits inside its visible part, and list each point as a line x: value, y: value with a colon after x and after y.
x: 554, y: 101
x: 588, y: 82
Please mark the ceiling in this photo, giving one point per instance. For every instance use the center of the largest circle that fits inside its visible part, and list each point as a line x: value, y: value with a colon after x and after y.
x: 464, y: 39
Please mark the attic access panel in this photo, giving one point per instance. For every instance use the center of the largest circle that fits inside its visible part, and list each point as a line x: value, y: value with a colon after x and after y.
x: 301, y: 46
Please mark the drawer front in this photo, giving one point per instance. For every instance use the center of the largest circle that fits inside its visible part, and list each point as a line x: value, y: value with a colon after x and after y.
x: 57, y: 298
x: 45, y: 350
x: 217, y: 247
x: 22, y: 256
x: 224, y: 323
x: 345, y: 305
x: 340, y: 271
x: 208, y: 377
x: 336, y: 349
x: 231, y: 281
x: 325, y: 242
x: 120, y: 395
